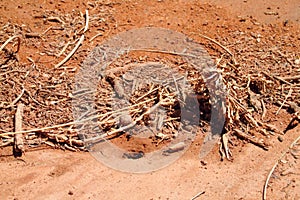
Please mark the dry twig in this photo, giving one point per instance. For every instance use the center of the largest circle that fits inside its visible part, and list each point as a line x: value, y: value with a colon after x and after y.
x: 197, y: 195
x: 9, y: 40
x: 273, y: 168
x: 17, y: 99
x: 223, y: 47
x: 254, y: 141
x: 18, y: 138
x: 287, y: 96
x: 86, y: 21
x: 225, y: 146
x: 71, y: 53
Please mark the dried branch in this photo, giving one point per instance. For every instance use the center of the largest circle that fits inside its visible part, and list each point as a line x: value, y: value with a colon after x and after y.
x: 197, y: 195
x: 9, y: 40
x: 287, y: 96
x: 86, y: 21
x: 18, y: 138
x: 223, y: 47
x: 254, y: 141
x: 71, y: 53
x: 63, y: 49
x: 291, y: 78
x: 273, y: 168
x: 97, y: 35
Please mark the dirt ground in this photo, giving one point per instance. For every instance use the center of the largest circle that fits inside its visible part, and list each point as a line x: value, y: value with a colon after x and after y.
x: 47, y: 173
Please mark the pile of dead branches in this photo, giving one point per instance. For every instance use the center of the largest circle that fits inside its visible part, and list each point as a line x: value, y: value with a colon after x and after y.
x: 36, y: 103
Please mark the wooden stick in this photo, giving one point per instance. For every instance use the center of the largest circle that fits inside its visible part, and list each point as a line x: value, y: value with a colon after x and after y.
x: 238, y: 103
x: 9, y: 40
x: 8, y: 143
x: 254, y: 141
x: 273, y: 168
x: 63, y: 49
x: 164, y: 52
x: 290, y: 78
x: 269, y: 127
x: 225, y: 145
x: 275, y: 77
x: 287, y: 96
x: 55, y: 19
x: 18, y: 138
x: 220, y: 45
x: 48, y: 29
x: 97, y: 35
x: 264, y: 110
x: 70, y: 54
x: 86, y: 21
x: 32, y: 35
x: 197, y: 195
x: 149, y: 92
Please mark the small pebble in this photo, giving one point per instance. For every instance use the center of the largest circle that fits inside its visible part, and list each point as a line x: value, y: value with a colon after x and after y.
x: 280, y: 138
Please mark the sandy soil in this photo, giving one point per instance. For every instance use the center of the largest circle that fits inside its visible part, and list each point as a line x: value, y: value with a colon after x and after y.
x: 46, y: 173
